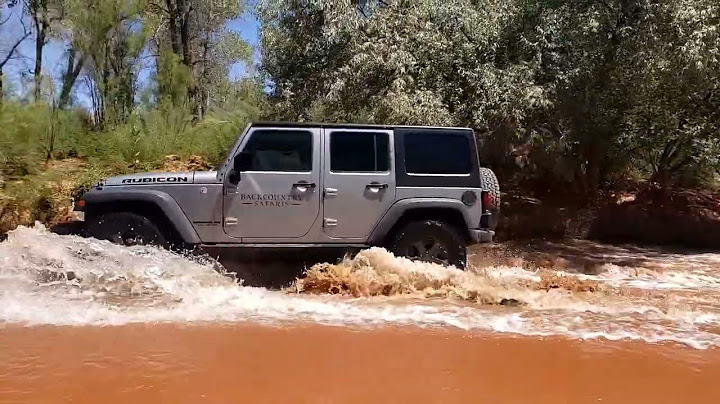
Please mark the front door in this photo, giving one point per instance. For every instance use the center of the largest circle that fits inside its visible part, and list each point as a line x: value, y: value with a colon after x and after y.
x: 359, y: 183
x: 277, y: 196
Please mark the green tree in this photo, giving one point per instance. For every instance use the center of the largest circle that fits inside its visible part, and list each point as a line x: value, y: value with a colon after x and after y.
x: 406, y: 62
x: 674, y: 122
x: 195, y: 32
x: 631, y: 84
x: 110, y: 37
x: 580, y: 92
x: 45, y: 14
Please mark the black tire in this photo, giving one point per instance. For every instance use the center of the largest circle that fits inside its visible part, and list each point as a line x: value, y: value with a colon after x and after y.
x: 126, y: 228
x: 492, y: 186
x: 430, y: 241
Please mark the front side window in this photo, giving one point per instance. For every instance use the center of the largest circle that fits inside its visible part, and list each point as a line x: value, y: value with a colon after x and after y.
x: 437, y: 153
x: 363, y: 152
x: 277, y: 151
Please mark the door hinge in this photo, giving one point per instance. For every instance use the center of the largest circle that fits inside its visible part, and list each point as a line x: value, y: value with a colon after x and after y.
x: 331, y: 192
x: 331, y: 222
x: 231, y: 221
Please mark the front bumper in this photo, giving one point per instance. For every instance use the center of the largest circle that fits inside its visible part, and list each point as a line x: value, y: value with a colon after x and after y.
x: 482, y: 235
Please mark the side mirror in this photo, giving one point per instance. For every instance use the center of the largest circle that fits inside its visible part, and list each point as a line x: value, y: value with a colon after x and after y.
x: 233, y: 176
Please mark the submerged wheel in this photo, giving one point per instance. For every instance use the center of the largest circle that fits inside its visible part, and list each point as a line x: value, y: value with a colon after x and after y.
x: 490, y: 184
x: 430, y: 241
x: 126, y: 228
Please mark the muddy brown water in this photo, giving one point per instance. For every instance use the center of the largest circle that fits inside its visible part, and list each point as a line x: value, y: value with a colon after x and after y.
x: 314, y: 364
x: 87, y: 321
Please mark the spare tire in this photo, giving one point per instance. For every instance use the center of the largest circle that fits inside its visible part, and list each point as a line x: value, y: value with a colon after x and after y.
x: 491, y: 185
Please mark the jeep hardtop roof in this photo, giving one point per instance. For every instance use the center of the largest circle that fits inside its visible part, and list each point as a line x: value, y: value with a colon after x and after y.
x: 282, y: 124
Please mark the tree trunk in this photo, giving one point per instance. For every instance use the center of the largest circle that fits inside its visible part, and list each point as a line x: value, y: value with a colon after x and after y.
x: 53, y: 134
x: 204, y: 97
x: 69, y: 78
x: 106, y: 101
x: 2, y: 91
x: 173, y: 22
x: 184, y: 12
x: 593, y: 174
x: 589, y: 176
x: 41, y: 27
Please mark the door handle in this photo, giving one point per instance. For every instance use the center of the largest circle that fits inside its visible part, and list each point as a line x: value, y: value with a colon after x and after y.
x: 374, y: 186
x: 304, y: 186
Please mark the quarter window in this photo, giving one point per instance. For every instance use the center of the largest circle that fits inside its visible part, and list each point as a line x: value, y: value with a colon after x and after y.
x: 277, y: 150
x: 364, y: 152
x: 437, y: 153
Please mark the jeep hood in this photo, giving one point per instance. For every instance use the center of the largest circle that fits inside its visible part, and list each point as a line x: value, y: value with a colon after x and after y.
x: 206, y: 177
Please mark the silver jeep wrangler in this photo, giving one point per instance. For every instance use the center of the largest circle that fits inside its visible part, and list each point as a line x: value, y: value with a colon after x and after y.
x: 418, y: 191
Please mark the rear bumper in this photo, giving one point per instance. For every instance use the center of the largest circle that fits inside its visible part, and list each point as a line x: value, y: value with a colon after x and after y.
x: 481, y: 235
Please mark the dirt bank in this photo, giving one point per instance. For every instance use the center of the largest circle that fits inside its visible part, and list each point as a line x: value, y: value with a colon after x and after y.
x: 666, y: 217
x: 311, y: 364
x: 682, y: 218
x: 48, y: 195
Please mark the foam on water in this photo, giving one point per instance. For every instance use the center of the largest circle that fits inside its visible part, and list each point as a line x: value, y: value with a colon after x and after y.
x: 67, y: 280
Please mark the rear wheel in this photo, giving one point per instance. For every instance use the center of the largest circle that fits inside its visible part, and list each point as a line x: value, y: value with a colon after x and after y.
x: 430, y: 241
x: 126, y: 228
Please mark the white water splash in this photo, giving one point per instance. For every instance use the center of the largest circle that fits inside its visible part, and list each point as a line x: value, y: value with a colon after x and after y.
x: 68, y: 280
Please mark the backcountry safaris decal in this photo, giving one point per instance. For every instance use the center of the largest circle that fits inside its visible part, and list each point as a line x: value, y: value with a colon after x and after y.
x: 276, y: 200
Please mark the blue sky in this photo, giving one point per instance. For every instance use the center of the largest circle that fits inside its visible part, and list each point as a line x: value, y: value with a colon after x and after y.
x: 54, y: 53
x: 248, y: 27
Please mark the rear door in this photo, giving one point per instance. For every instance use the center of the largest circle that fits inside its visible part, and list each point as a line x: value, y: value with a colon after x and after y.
x: 359, y: 180
x: 277, y: 196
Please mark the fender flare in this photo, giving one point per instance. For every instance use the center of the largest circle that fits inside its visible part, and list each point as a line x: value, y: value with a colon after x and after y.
x: 397, y: 210
x: 166, y: 203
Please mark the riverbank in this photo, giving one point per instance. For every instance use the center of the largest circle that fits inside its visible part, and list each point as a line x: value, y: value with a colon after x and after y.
x: 316, y: 364
x: 49, y: 160
x: 48, y: 194
x: 639, y: 215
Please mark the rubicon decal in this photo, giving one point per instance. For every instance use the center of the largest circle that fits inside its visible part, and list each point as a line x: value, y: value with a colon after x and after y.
x: 152, y: 180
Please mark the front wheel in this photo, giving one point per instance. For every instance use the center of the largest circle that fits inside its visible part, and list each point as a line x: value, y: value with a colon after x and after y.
x: 430, y: 241
x: 126, y: 228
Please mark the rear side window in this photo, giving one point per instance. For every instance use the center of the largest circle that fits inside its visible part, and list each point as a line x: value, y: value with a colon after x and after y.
x: 277, y: 150
x: 437, y: 153
x: 364, y: 152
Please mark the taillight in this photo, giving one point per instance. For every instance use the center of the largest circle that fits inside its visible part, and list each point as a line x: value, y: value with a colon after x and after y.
x: 79, y: 206
x: 486, y: 201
